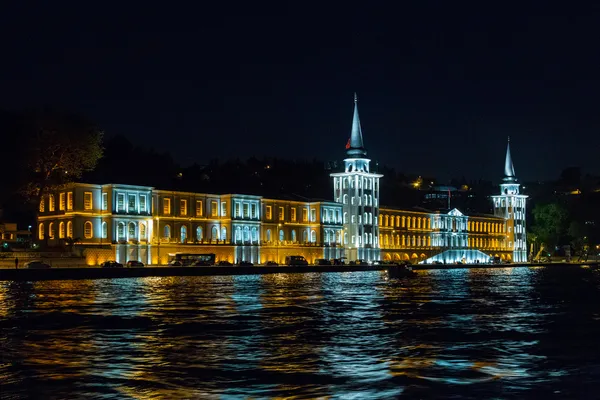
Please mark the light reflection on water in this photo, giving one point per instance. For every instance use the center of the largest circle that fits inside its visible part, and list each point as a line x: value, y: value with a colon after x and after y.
x: 470, y: 333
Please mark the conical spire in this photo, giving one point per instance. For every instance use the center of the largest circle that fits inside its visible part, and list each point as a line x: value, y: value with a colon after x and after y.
x: 355, y: 145
x: 509, y: 169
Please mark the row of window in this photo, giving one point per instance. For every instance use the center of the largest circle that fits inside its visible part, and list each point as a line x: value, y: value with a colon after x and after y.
x: 65, y: 230
x: 364, y: 200
x: 135, y: 203
x: 425, y: 223
x: 65, y: 202
x: 358, y: 182
x: 294, y: 216
x: 426, y: 241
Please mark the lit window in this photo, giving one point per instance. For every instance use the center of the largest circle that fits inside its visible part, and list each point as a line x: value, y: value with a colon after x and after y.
x: 304, y: 215
x: 70, y: 201
x: 143, y: 203
x: 166, y: 206
x: 87, y: 230
x: 41, y: 232
x: 120, y: 202
x: 104, y: 230
x: 61, y: 230
x: 237, y: 210
x: 183, y: 207
x: 313, y: 214
x: 121, y: 231
x: 269, y: 212
x: 70, y: 229
x: 87, y: 201
x: 131, y: 202
x: 132, y: 230
x: 51, y: 230
x: 214, y: 209
x: 199, y: 211
x: 167, y: 232
x: 293, y: 214
x: 51, y: 203
x: 281, y: 214
x: 223, y: 209
x: 105, y: 201
x: 245, y: 208
x: 253, y: 210
x: 61, y: 198
x: 42, y: 205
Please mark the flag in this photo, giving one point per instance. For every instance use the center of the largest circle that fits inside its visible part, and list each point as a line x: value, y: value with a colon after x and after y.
x: 348, y: 144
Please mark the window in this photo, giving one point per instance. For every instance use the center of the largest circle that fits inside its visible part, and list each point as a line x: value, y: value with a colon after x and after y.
x: 281, y: 235
x: 223, y: 209
x: 253, y: 210
x: 313, y: 214
x: 294, y: 238
x: 70, y: 229
x: 42, y: 206
x: 183, y: 234
x: 304, y: 215
x: 237, y: 210
x: 167, y: 232
x: 121, y: 231
x: 87, y: 200
x: 41, y: 232
x: 199, y: 211
x: 143, y: 203
x: 61, y: 198
x: 105, y: 201
x: 131, y: 202
x: 269, y: 212
x: 281, y: 213
x: 166, y: 206
x: 214, y: 210
x: 183, y: 207
x: 51, y: 230
x: 61, y: 230
x: 268, y: 235
x: 199, y: 233
x: 87, y: 230
x: 51, y: 203
x: 131, y: 230
x: 70, y: 201
x: 104, y: 230
x: 120, y: 202
x: 293, y: 214
x: 142, y: 231
x: 245, y: 208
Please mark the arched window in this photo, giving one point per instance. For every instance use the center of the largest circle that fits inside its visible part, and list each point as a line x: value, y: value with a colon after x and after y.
x: 345, y: 201
x: 304, y: 236
x: 268, y: 235
x: 345, y: 237
x: 238, y: 234
x: 51, y: 230
x: 88, y: 230
x: 224, y: 233
x: 41, y: 231
x: 366, y: 239
x: 254, y: 235
x: 51, y: 202
x: 313, y: 236
x: 167, y: 232
x: 61, y: 230
x: 132, y: 230
x: 199, y: 233
x: 142, y: 231
x: 70, y: 229
x: 345, y: 218
x: 121, y: 231
x: 327, y: 236
x: 281, y: 235
x: 294, y: 235
x: 214, y: 233
x: 42, y: 208
x: 104, y: 230
x: 246, y: 234
x: 183, y: 234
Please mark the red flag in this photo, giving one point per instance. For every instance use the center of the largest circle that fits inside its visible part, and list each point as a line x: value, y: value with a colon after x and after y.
x: 348, y: 144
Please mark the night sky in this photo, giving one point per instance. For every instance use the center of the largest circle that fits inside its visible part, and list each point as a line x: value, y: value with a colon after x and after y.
x: 440, y: 88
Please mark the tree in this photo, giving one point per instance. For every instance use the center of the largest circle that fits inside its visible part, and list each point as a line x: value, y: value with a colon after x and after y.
x: 59, y: 147
x: 550, y: 223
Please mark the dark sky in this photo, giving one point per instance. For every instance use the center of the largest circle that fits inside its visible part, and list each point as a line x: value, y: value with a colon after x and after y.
x: 440, y: 88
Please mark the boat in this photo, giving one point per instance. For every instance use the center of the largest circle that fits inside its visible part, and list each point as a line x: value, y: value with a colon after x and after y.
x: 400, y: 271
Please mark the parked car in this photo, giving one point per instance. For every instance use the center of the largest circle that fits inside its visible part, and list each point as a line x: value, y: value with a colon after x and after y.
x: 111, y: 264
x: 175, y: 263
x: 134, y: 263
x: 322, y: 261
x: 296, y: 260
x: 37, y: 265
x: 245, y: 264
x: 224, y: 263
x: 271, y: 263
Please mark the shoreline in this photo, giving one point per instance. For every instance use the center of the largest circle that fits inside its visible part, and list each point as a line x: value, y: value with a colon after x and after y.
x: 164, y: 271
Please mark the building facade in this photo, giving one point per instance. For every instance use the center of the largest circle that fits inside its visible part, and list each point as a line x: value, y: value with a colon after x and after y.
x: 127, y: 222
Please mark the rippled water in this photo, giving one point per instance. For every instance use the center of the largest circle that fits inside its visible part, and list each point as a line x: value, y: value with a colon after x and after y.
x: 496, y: 333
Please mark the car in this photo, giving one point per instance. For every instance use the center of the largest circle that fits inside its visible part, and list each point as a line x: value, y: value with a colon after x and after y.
x: 134, y: 263
x: 37, y: 265
x: 111, y: 264
x: 322, y: 261
x: 271, y: 263
x: 296, y: 260
x: 175, y: 263
x: 245, y: 264
x: 224, y: 263
x: 201, y: 263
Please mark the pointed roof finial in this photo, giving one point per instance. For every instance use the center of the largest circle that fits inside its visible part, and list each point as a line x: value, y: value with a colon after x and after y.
x: 509, y: 169
x: 356, y: 147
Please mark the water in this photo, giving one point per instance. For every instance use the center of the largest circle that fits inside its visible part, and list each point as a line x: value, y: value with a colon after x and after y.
x: 497, y: 333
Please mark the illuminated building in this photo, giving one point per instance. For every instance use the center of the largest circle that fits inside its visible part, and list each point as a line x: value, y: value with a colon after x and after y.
x: 125, y: 222
x: 357, y: 189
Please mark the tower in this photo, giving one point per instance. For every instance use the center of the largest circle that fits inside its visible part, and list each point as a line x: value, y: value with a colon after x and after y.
x: 510, y: 205
x: 357, y: 189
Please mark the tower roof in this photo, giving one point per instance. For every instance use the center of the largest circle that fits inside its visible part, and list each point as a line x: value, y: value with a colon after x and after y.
x: 355, y: 147
x: 509, y: 169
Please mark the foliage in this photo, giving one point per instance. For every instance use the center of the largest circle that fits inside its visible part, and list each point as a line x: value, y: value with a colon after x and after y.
x: 550, y: 223
x: 59, y: 147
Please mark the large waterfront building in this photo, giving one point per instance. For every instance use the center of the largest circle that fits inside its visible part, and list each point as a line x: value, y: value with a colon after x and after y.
x: 127, y: 222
